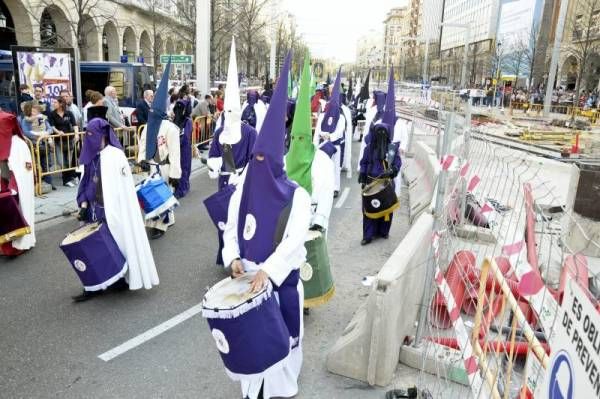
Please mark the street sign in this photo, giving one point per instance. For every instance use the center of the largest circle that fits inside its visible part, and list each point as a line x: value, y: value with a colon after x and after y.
x: 176, y: 59
x: 574, y: 368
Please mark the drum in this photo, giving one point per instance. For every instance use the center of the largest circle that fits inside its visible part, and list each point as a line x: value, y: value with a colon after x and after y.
x: 95, y: 256
x: 248, y: 329
x: 13, y: 223
x: 379, y: 199
x: 315, y: 273
x: 155, y: 196
x: 217, y: 205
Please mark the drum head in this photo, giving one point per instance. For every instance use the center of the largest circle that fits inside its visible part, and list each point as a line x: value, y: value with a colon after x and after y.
x: 313, y: 235
x: 81, y: 233
x: 230, y: 293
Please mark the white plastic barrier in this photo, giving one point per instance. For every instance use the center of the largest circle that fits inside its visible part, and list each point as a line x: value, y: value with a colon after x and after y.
x: 421, y: 175
x: 369, y: 348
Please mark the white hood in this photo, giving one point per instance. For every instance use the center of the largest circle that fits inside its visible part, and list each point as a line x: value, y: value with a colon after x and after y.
x: 232, y: 111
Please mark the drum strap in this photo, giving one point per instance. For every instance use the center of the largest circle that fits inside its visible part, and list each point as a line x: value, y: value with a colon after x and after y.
x: 282, y: 224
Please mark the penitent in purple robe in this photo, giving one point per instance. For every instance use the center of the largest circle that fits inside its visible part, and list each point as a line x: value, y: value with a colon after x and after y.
x: 185, y: 143
x: 90, y: 191
x: 242, y: 150
x: 374, y: 168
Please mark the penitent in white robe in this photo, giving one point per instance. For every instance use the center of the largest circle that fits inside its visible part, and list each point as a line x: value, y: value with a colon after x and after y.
x: 369, y: 115
x: 20, y: 164
x: 124, y: 218
x: 340, y: 132
x: 347, y: 161
x: 289, y: 255
x: 323, y: 182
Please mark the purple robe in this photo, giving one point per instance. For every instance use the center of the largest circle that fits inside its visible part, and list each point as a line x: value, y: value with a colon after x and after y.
x: 374, y: 168
x: 185, y: 144
x: 242, y: 150
x: 88, y: 191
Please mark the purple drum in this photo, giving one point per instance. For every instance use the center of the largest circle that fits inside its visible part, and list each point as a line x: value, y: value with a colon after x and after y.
x: 249, y: 330
x: 217, y: 205
x: 95, y: 256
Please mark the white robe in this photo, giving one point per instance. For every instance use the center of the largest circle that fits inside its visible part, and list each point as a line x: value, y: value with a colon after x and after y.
x: 168, y: 146
x: 21, y: 165
x: 260, y: 108
x: 369, y: 115
x: 289, y: 255
x: 347, y: 161
x: 124, y: 218
x: 340, y: 131
x: 323, y: 182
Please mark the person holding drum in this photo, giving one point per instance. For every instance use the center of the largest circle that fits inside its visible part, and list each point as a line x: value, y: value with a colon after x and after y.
x: 379, y: 165
x: 17, y: 211
x: 107, y: 195
x: 331, y: 126
x: 313, y: 170
x: 230, y: 152
x: 159, y: 148
x: 268, y: 220
x: 372, y: 116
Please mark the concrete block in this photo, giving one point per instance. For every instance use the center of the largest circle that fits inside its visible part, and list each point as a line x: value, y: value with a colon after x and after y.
x: 421, y: 175
x: 441, y: 361
x: 369, y: 347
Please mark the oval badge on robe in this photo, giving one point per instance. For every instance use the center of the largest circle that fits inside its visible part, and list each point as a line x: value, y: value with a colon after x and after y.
x: 221, y: 341
x: 375, y: 203
x: 79, y: 265
x: 306, y: 271
x: 249, y: 227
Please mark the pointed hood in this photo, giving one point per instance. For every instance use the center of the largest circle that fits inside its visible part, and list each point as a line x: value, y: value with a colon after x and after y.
x: 364, y: 90
x: 389, y: 113
x: 382, y: 133
x: 267, y: 190
x: 157, y: 112
x: 332, y: 109
x: 302, y: 150
x: 232, y: 110
x: 96, y: 130
x: 350, y: 93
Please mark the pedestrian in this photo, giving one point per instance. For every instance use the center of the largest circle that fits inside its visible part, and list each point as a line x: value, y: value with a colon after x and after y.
x: 182, y: 118
x: 17, y: 208
x: 63, y: 123
x: 266, y: 199
x: 143, y: 107
x: 36, y: 127
x: 159, y: 145
x: 331, y: 126
x: 24, y: 95
x: 231, y: 147
x: 68, y: 96
x: 107, y: 195
x: 381, y: 160
x: 44, y: 103
x: 203, y: 107
x: 219, y: 101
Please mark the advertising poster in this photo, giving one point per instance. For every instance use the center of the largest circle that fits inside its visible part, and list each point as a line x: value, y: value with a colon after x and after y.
x: 52, y: 69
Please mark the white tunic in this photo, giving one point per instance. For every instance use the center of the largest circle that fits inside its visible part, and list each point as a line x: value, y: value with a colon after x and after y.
x: 369, y: 115
x: 20, y: 163
x: 289, y: 255
x: 340, y: 132
x: 323, y: 181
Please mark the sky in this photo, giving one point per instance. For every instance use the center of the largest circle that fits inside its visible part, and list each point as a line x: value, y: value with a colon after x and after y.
x: 331, y: 28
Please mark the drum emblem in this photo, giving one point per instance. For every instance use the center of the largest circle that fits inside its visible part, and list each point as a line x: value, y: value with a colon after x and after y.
x: 79, y: 265
x: 375, y: 203
x: 330, y: 121
x: 221, y: 226
x: 249, y: 227
x: 221, y: 341
x: 306, y: 271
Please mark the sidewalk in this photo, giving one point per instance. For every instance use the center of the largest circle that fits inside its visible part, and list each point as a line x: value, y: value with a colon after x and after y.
x: 63, y: 202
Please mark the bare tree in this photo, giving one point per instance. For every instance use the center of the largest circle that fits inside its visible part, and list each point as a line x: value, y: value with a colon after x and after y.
x: 584, y: 45
x: 518, y: 55
x: 222, y: 27
x: 249, y: 21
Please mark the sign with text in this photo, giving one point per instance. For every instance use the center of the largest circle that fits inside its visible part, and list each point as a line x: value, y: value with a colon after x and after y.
x: 574, y: 368
x: 176, y: 59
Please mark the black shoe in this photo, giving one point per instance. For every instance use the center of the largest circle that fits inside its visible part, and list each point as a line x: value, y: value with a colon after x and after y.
x: 385, y: 237
x: 85, y: 296
x: 53, y: 188
x: 336, y: 194
x: 365, y: 241
x: 120, y: 285
x: 306, y: 311
x: 156, y: 234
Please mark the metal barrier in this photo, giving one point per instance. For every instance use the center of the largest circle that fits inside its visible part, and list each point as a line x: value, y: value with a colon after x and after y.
x: 202, y: 130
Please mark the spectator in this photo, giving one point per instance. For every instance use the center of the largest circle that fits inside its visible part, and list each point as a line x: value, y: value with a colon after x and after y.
x: 113, y: 114
x: 68, y: 97
x: 63, y: 122
x: 38, y: 96
x: 203, y: 107
x: 35, y: 126
x: 219, y: 102
x: 24, y: 96
x: 141, y: 111
x: 88, y: 103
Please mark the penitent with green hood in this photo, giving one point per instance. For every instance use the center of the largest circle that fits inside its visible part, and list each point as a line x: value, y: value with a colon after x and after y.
x: 310, y: 167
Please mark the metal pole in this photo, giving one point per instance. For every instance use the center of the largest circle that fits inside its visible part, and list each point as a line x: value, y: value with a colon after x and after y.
x: 465, y: 157
x: 560, y: 26
x: 437, y: 223
x: 463, y: 74
x: 426, y: 61
x: 203, y: 23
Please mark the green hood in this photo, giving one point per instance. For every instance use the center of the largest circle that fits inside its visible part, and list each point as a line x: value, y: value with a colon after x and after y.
x: 302, y: 150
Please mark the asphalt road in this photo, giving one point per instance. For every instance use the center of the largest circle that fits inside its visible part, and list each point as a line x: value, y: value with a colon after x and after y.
x: 49, y: 346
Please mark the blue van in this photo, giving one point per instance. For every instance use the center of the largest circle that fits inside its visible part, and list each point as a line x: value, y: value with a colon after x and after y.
x: 130, y: 80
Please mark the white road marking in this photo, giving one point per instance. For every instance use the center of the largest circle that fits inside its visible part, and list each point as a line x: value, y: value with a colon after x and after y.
x: 343, y: 197
x: 151, y: 333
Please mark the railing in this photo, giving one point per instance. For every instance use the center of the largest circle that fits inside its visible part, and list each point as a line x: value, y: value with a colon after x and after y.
x: 202, y: 130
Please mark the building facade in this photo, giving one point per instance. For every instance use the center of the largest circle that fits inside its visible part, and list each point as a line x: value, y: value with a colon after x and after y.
x: 103, y: 30
x: 369, y: 49
x: 396, y: 30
